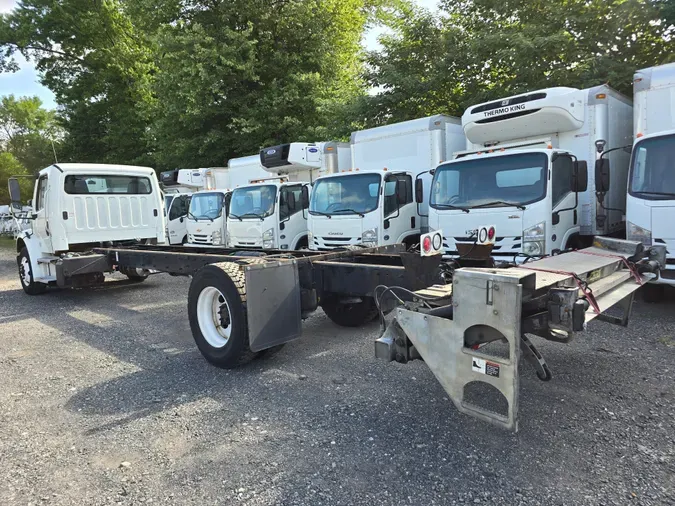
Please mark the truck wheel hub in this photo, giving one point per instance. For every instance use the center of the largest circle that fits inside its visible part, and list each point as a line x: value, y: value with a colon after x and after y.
x: 213, y: 314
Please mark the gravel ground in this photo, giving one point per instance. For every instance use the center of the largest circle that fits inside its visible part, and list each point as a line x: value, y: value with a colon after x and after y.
x: 105, y: 400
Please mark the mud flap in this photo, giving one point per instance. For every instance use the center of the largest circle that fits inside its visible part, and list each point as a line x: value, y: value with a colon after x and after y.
x: 485, y: 301
x: 272, y: 304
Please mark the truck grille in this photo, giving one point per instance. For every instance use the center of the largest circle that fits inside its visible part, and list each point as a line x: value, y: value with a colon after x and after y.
x: 200, y: 239
x: 504, y: 246
x: 327, y: 243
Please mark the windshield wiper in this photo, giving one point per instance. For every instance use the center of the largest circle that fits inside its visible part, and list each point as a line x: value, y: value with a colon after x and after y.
x: 450, y: 206
x: 665, y: 194
x: 353, y: 211
x: 235, y: 216
x: 504, y: 203
x: 190, y: 215
x: 321, y: 213
x: 253, y: 214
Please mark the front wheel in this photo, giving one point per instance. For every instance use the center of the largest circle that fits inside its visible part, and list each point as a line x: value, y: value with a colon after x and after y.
x: 347, y: 313
x: 217, y: 313
x: 28, y: 283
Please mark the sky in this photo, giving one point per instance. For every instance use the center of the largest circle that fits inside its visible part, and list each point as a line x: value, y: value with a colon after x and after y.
x: 27, y: 82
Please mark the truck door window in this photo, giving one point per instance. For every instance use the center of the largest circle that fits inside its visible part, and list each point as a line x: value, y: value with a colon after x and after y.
x: 561, y: 179
x: 286, y: 211
x: 179, y: 207
x: 390, y: 198
x: 41, y: 192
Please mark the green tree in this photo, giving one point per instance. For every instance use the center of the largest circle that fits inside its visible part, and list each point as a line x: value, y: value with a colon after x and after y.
x: 98, y: 65
x: 29, y: 137
x: 234, y: 76
x: 479, y: 50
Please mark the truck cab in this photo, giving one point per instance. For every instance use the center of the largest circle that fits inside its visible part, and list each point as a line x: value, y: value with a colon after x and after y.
x: 367, y: 208
x: 78, y: 206
x: 371, y: 202
x: 650, y: 205
x: 525, y: 172
x: 267, y: 214
x: 207, y: 218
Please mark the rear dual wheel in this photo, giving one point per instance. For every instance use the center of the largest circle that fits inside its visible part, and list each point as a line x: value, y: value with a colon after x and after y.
x: 218, y: 318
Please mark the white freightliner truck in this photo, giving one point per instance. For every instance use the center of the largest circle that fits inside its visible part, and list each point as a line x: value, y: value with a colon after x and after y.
x: 271, y: 212
x: 372, y: 202
x: 79, y: 206
x: 207, y: 216
x: 525, y: 172
x: 650, y: 204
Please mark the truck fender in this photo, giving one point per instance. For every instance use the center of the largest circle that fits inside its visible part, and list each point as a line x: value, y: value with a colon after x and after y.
x: 569, y: 235
x: 299, y: 239
x: 25, y: 240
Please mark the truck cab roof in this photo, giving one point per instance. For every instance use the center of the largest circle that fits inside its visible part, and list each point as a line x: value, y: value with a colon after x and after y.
x: 100, y: 167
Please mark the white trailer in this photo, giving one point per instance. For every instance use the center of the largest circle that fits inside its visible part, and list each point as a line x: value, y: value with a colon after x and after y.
x: 80, y: 206
x: 372, y: 202
x: 650, y: 205
x: 525, y: 173
x: 270, y: 213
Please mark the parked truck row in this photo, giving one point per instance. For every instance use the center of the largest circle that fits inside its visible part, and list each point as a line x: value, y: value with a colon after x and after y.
x: 514, y: 200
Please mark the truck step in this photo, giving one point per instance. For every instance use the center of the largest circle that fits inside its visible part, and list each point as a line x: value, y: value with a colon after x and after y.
x: 47, y: 260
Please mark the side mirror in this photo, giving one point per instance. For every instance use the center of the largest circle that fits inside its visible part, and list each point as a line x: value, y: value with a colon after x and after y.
x: 290, y: 201
x: 181, y: 219
x: 305, y: 197
x: 401, y: 193
x: 419, y: 191
x: 602, y: 175
x: 14, y: 193
x: 580, y: 177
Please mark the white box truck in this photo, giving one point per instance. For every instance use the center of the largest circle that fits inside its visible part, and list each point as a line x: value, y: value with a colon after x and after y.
x: 207, y: 216
x: 372, y: 203
x: 525, y: 173
x: 269, y: 213
x: 81, y: 206
x: 650, y: 205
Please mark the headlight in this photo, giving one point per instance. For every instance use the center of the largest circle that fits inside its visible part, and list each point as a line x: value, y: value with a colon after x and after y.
x: 639, y: 234
x: 217, y: 237
x: 228, y: 240
x: 369, y: 237
x: 534, y: 240
x: 268, y: 239
x: 310, y: 238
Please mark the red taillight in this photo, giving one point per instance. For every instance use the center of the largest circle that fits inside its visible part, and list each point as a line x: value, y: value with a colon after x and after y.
x: 491, y: 233
x: 426, y: 244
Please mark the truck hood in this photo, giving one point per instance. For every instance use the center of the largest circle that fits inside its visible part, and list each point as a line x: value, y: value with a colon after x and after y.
x: 336, y: 231
x: 245, y: 233
x: 457, y: 227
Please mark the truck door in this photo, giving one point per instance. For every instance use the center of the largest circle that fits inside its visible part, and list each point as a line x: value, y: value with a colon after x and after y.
x: 41, y: 221
x: 565, y: 213
x: 176, y: 219
x: 400, y: 218
x: 292, y: 222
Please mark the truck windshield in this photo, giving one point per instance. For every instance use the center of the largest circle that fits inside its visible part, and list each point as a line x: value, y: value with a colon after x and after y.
x: 206, y: 206
x: 253, y: 201
x: 652, y: 175
x: 353, y: 194
x: 495, y: 181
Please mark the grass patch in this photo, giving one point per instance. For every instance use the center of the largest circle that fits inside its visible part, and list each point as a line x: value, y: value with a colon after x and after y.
x: 6, y: 242
x: 667, y: 340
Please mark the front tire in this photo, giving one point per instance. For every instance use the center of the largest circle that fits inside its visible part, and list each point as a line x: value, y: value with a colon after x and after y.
x: 350, y: 314
x: 217, y: 314
x: 28, y: 283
